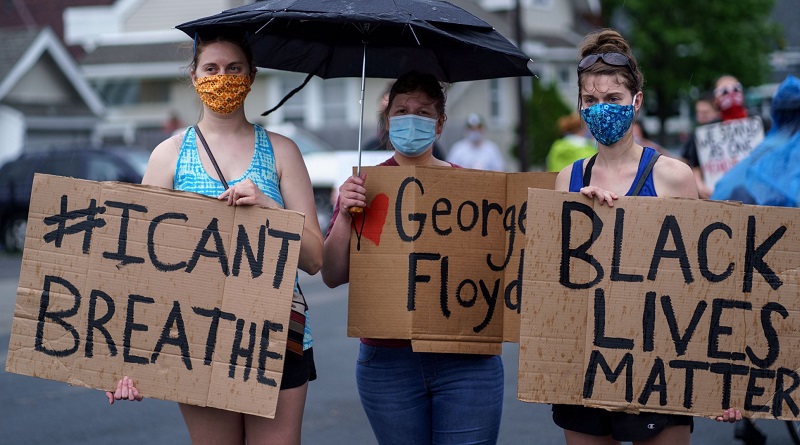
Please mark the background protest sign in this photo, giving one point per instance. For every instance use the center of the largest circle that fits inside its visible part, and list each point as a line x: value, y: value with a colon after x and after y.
x: 667, y: 305
x: 188, y: 296
x: 437, y: 257
x: 722, y: 145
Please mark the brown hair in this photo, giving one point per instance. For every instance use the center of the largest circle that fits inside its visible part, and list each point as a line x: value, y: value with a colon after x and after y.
x: 570, y: 124
x: 413, y: 81
x: 610, y: 41
x: 235, y: 37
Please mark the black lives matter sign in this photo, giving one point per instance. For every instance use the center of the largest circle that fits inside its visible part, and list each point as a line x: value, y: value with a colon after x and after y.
x: 666, y: 305
x: 185, y: 294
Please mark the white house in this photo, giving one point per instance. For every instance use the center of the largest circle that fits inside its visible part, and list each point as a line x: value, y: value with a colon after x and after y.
x: 136, y: 60
x: 44, y: 99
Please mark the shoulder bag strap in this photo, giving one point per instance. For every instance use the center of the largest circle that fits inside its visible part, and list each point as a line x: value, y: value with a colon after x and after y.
x: 587, y: 173
x: 645, y: 173
x: 211, y: 156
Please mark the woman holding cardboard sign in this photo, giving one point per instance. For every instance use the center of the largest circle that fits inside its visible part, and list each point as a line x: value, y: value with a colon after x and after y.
x: 610, y: 96
x: 414, y: 397
x: 268, y: 171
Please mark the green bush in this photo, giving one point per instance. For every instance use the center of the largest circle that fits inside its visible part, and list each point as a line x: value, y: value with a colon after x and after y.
x: 542, y: 113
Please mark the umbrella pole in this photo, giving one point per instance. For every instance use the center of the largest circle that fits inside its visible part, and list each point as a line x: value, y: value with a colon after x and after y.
x: 361, y: 121
x: 354, y: 210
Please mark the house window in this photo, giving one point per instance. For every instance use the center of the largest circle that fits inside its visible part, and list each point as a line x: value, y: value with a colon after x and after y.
x: 494, y: 100
x: 294, y: 109
x: 334, y: 101
x: 542, y: 4
x: 119, y: 92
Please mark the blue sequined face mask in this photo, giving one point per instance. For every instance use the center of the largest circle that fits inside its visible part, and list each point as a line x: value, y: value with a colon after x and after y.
x: 412, y: 135
x: 608, y: 122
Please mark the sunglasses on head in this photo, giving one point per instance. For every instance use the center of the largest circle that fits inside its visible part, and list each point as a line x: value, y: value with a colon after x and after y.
x: 722, y: 91
x: 613, y: 59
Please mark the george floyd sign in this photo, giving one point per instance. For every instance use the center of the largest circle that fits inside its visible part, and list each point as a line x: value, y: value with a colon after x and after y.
x: 661, y: 304
x: 188, y: 296
x: 437, y: 257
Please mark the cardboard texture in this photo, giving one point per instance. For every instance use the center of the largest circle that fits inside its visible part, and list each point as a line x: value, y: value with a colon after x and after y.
x: 722, y: 145
x: 188, y: 296
x: 661, y: 304
x: 437, y: 257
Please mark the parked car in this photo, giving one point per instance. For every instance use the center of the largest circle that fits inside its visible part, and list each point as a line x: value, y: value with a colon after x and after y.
x: 16, y: 180
x: 327, y: 167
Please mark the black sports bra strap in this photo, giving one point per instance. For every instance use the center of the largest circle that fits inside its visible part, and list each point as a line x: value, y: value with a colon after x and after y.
x: 645, y: 173
x: 587, y: 172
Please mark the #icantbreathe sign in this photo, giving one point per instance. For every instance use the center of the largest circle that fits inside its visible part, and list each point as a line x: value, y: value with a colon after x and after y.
x: 188, y: 296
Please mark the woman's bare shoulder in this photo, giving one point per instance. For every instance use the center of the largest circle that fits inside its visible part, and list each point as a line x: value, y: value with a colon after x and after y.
x: 163, y: 161
x: 674, y: 178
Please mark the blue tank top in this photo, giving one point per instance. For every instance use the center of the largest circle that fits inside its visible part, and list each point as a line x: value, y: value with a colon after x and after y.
x: 190, y: 176
x: 648, y: 189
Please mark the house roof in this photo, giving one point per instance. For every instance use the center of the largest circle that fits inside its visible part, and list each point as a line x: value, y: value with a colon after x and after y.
x: 23, y: 47
x: 15, y: 43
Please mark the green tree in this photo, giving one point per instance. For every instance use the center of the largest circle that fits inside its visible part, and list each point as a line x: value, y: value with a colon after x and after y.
x: 683, y: 46
x: 543, y: 110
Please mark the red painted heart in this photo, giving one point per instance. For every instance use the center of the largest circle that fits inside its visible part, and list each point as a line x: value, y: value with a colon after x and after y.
x: 369, y: 223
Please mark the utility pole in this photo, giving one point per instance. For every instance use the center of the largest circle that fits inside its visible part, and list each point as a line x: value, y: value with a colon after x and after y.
x: 522, y: 140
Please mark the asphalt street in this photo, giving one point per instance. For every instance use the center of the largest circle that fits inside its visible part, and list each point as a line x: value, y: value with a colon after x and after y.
x: 35, y: 411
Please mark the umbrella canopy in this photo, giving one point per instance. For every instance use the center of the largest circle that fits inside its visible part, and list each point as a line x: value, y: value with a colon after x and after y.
x: 370, y: 38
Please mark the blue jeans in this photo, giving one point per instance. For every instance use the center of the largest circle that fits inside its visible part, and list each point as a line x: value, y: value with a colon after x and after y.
x: 416, y: 398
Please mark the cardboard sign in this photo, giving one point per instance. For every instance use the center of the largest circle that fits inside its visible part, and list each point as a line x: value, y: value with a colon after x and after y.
x: 437, y: 257
x: 661, y: 304
x: 722, y: 145
x: 186, y: 295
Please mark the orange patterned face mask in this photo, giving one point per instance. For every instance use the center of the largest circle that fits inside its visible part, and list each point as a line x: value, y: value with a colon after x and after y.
x: 223, y: 93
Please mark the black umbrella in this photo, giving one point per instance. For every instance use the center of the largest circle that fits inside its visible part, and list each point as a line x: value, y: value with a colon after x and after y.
x: 370, y: 38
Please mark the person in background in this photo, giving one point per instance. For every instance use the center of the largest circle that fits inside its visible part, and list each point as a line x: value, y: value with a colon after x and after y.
x: 264, y: 169
x: 414, y: 397
x: 729, y: 98
x: 474, y: 150
x: 572, y: 146
x: 705, y: 112
x: 610, y: 96
x: 770, y: 174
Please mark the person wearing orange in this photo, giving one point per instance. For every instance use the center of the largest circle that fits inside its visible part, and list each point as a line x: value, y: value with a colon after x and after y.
x: 263, y: 169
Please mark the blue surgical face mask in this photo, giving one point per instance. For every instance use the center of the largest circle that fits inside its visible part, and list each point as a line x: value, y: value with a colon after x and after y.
x: 608, y: 122
x: 412, y: 135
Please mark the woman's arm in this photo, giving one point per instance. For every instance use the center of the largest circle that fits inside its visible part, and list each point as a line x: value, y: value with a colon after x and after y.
x: 336, y: 257
x: 163, y: 160
x: 298, y: 195
x: 591, y: 191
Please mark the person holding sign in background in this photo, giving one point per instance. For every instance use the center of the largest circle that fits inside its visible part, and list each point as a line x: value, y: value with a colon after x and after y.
x: 705, y: 112
x: 414, y: 397
x: 770, y: 175
x: 267, y: 170
x: 610, y: 95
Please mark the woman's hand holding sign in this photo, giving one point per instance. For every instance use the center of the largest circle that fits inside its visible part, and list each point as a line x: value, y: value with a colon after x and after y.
x: 352, y: 194
x: 602, y: 195
x: 730, y: 415
x: 125, y: 391
x: 247, y: 193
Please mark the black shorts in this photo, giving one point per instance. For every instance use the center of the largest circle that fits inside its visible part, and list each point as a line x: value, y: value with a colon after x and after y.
x: 623, y: 427
x: 298, y: 370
